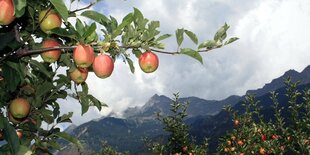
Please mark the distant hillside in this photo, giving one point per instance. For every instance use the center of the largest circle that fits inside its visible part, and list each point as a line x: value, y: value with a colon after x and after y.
x: 303, y: 77
x: 205, y: 117
x: 197, y: 107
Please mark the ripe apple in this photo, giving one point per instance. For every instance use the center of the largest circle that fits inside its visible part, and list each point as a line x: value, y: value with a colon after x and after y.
x: 19, y: 108
x: 79, y: 75
x: 6, y: 12
x: 83, y: 56
x: 229, y: 142
x: 263, y: 137
x: 226, y: 149
x: 48, y: 20
x: 53, y: 55
x: 236, y: 122
x: 275, y: 137
x: 240, y: 142
x: 148, y: 62
x: 103, y: 66
x: 262, y: 151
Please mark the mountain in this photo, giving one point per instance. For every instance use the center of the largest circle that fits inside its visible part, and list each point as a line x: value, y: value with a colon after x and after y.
x: 303, y: 77
x: 205, y: 118
x: 162, y: 103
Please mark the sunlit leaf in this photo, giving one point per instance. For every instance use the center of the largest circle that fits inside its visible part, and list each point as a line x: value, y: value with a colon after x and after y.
x: 179, y: 35
x: 131, y: 66
x: 192, y: 36
x: 162, y: 37
x: 96, y: 16
x: 61, y: 8
x: 192, y: 53
x: 69, y: 138
x: 230, y: 40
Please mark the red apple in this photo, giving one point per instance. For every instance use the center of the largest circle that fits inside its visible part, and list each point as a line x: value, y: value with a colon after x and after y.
x: 103, y: 66
x: 79, y: 75
x: 148, y: 62
x: 49, y: 20
x: 6, y: 12
x: 263, y: 137
x: 19, y: 108
x: 83, y: 56
x: 53, y: 55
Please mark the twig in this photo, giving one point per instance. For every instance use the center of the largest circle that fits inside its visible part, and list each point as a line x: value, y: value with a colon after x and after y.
x: 80, y: 9
x: 25, y: 52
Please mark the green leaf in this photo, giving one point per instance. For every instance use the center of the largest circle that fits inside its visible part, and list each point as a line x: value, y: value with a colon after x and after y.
x: 192, y: 36
x: 192, y: 53
x: 41, y: 67
x: 84, y: 87
x: 162, y: 37
x: 54, y: 145
x: 5, y: 39
x: 65, y: 118
x: 230, y: 40
x: 19, y: 6
x: 84, y: 102
x: 23, y: 150
x: 90, y: 30
x: 11, y: 77
x: 63, y: 32
x: 136, y: 52
x: 126, y: 21
x: 131, y: 66
x: 44, y: 88
x: 47, y: 116
x: 69, y: 138
x: 96, y: 102
x: 96, y: 16
x: 221, y: 33
x: 61, y: 8
x: 179, y: 35
x: 137, y: 14
x: 207, y: 44
x: 11, y: 137
x: 79, y: 27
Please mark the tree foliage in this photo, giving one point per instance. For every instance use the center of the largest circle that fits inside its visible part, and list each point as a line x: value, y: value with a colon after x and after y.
x: 23, y: 75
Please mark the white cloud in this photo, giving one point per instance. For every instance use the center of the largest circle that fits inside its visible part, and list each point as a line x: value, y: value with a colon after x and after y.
x: 273, y: 38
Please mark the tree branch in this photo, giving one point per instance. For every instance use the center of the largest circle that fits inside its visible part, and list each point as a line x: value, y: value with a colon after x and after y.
x: 80, y: 9
x: 26, y: 52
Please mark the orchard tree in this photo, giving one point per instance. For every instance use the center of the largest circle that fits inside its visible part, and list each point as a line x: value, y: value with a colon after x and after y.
x: 31, y: 87
x: 179, y: 140
x: 252, y: 134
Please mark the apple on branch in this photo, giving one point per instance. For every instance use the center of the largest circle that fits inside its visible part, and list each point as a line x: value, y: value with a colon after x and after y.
x: 49, y: 20
x: 6, y: 12
x: 53, y: 55
x: 103, y: 66
x: 148, y: 62
x: 83, y: 56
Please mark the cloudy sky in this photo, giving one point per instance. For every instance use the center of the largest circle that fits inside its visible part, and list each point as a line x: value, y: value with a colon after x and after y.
x: 274, y: 37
